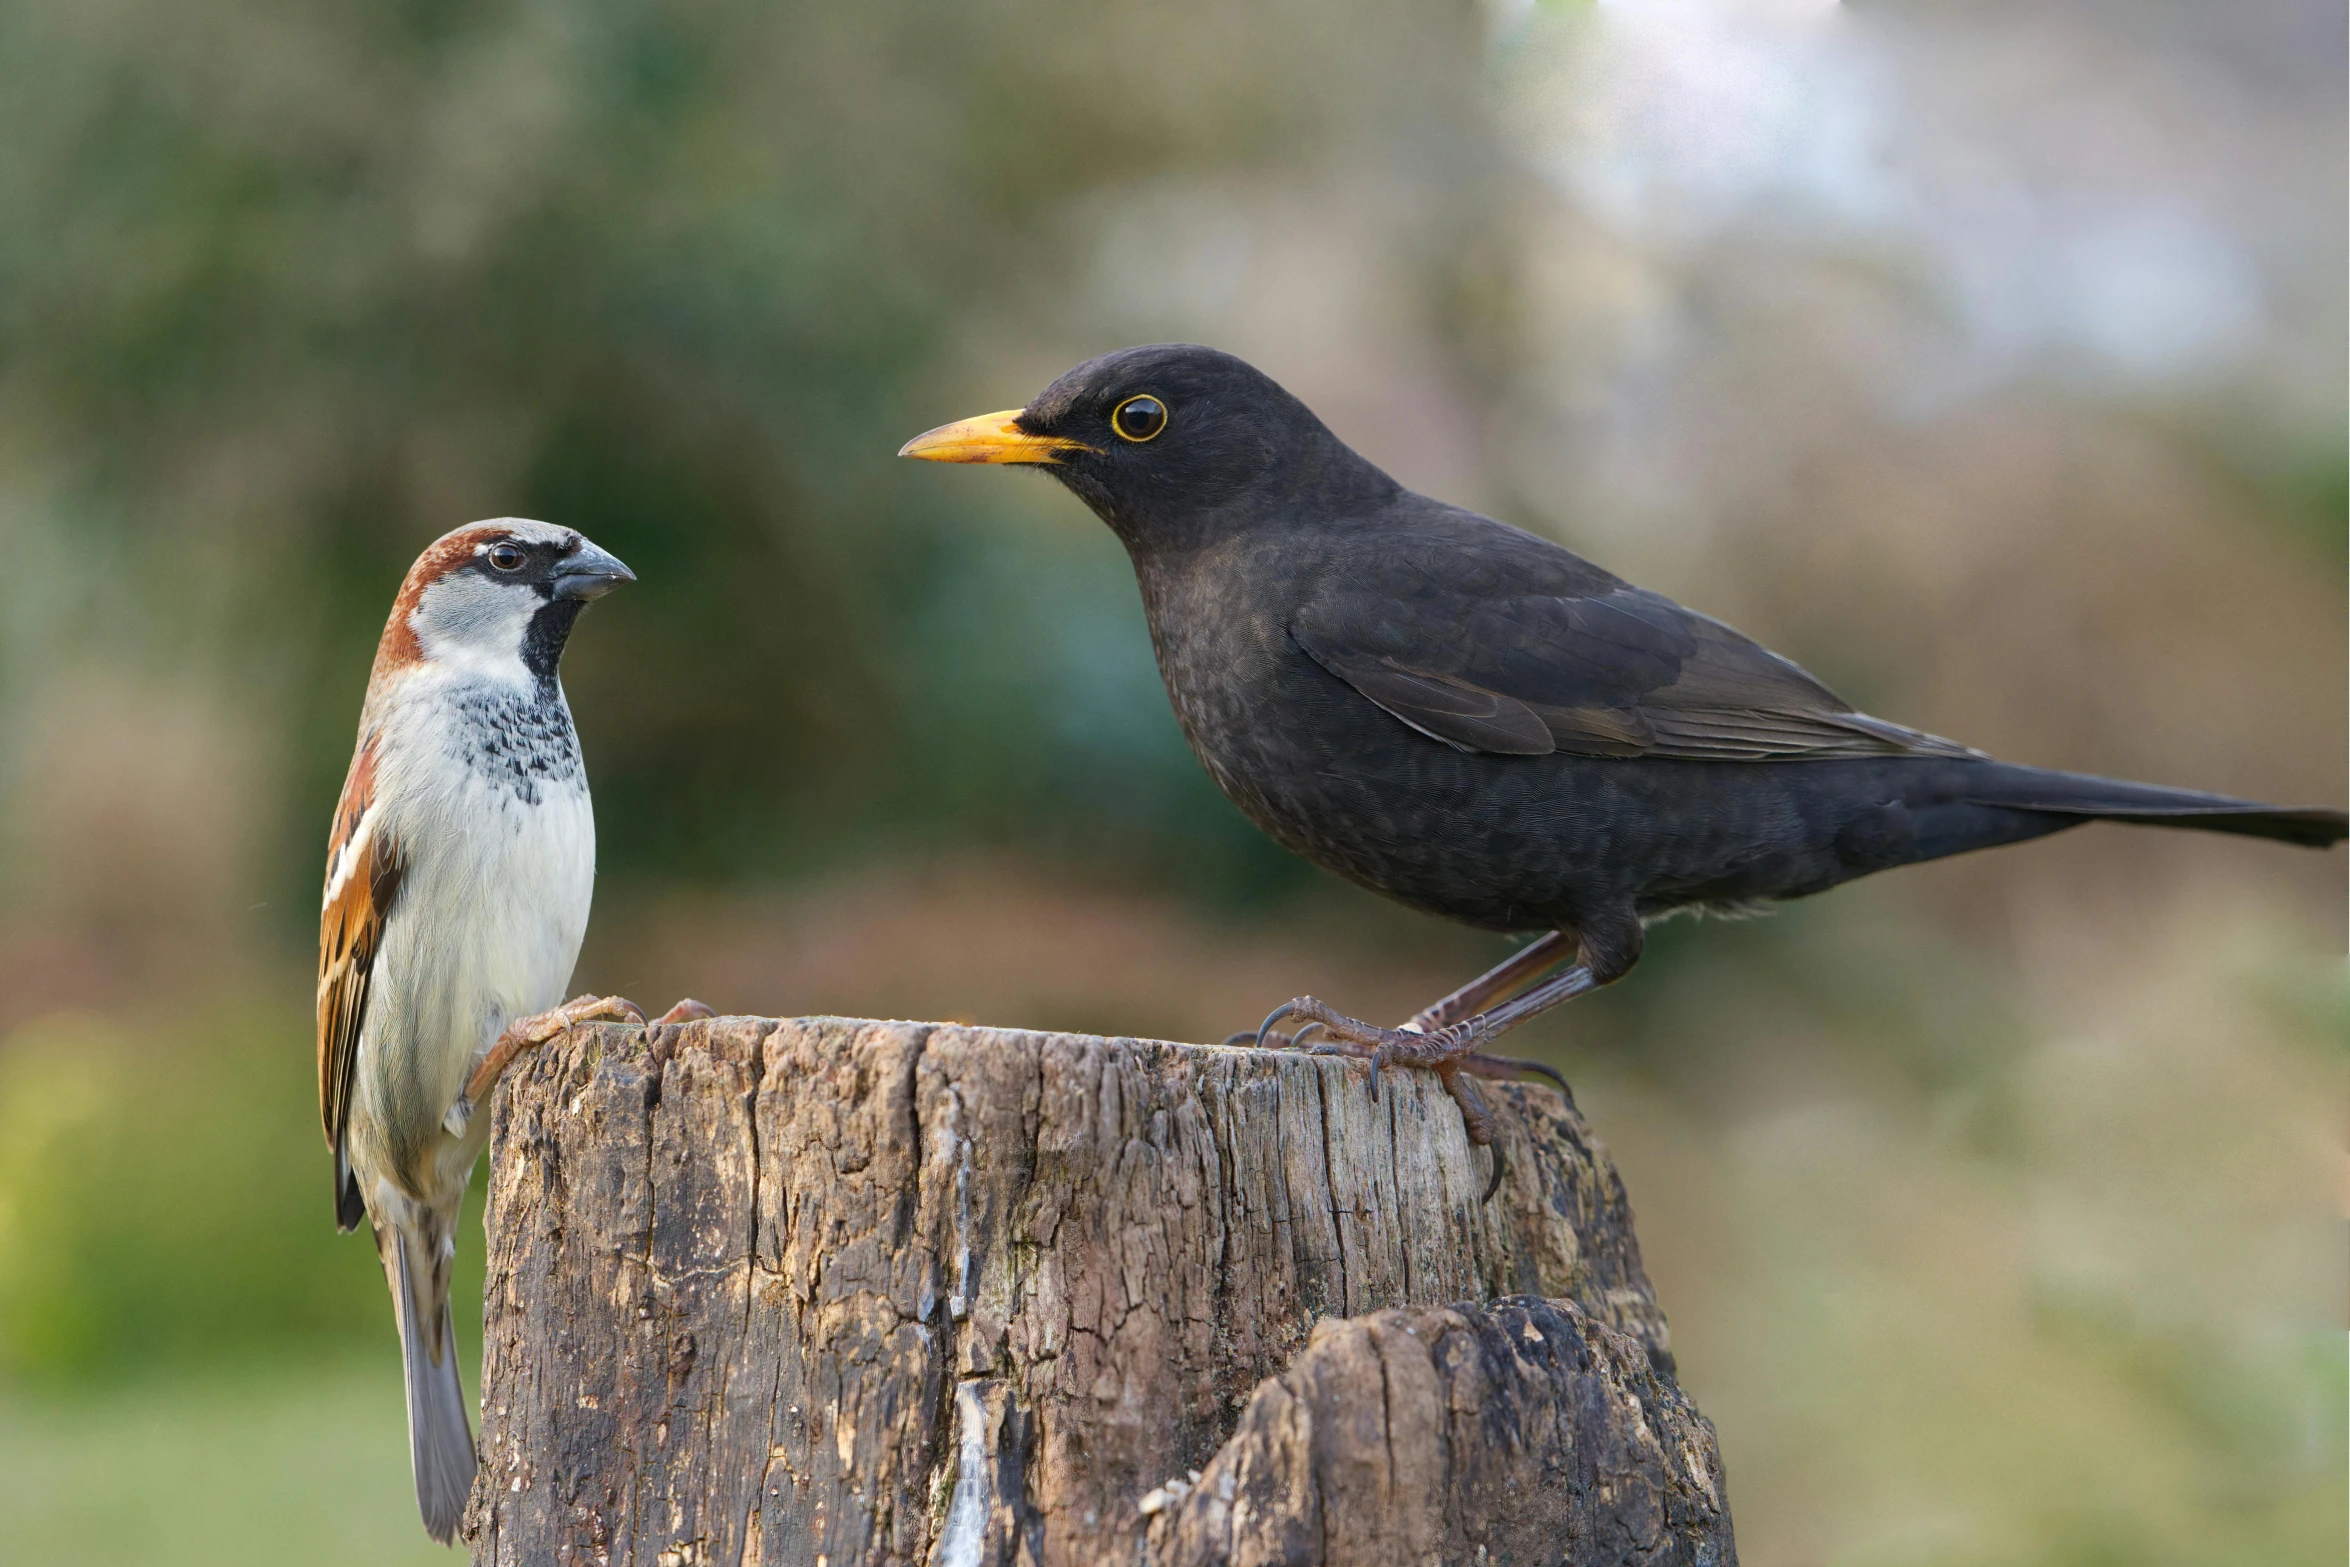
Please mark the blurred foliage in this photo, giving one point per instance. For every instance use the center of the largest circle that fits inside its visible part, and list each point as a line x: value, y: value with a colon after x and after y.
x: 289, y: 292
x: 2066, y: 1295
x: 297, y: 1461
x: 170, y: 1208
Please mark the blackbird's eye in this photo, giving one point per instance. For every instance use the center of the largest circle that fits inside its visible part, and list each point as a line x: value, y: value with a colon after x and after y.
x: 1139, y: 418
x: 507, y: 557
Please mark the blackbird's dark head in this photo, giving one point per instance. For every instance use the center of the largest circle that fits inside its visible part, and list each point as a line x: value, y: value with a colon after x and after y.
x: 1171, y: 444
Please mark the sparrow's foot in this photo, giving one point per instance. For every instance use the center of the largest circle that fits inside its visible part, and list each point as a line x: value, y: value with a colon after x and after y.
x: 687, y: 1010
x: 528, y: 1033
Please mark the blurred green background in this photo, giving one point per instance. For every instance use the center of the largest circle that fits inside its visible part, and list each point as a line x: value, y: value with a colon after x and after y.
x: 1987, y: 357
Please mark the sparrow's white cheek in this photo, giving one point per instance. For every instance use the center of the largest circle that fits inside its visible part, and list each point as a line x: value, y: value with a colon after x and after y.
x: 471, y: 623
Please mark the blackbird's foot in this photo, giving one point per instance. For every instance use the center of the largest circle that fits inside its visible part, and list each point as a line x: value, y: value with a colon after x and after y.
x: 687, y: 1010
x: 1451, y: 1053
x: 1506, y: 1068
x: 1383, y: 1047
x: 1407, y: 1046
x: 1275, y: 1040
x: 528, y: 1033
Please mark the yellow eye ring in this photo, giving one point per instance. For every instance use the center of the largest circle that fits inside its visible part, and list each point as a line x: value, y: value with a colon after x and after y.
x: 1138, y: 419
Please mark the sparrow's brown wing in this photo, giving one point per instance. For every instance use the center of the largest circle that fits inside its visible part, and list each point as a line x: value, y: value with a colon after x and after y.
x: 363, y: 869
x: 1491, y: 639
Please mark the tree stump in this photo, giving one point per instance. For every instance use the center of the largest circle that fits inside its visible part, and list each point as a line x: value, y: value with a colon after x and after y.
x: 827, y: 1292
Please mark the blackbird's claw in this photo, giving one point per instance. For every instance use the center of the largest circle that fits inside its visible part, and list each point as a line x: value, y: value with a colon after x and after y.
x: 1506, y: 1067
x: 1445, y: 1051
x: 687, y: 1010
x: 1262, y: 1040
x: 1544, y: 1069
x: 1499, y: 1165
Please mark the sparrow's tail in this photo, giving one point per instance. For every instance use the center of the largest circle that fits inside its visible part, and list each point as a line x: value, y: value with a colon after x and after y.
x: 440, y: 1439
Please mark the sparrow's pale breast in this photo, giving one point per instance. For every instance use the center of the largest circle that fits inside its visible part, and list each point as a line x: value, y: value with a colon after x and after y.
x: 501, y: 838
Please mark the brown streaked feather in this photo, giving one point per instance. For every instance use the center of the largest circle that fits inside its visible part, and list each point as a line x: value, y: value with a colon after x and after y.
x: 363, y: 871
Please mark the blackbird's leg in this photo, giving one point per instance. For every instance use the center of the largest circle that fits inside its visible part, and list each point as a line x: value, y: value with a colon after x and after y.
x: 1448, y: 1046
x: 1542, y: 953
x: 1609, y: 949
x: 1446, y: 1051
x: 528, y: 1033
x: 1528, y: 962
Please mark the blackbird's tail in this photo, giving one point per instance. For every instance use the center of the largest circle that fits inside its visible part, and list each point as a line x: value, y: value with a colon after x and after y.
x: 2055, y: 801
x: 440, y: 1438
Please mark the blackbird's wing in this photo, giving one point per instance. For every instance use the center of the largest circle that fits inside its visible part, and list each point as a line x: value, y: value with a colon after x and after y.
x: 363, y: 872
x: 1490, y: 639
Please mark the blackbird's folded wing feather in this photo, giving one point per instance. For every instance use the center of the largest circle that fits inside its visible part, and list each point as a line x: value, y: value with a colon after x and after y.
x: 363, y: 873
x: 1490, y: 639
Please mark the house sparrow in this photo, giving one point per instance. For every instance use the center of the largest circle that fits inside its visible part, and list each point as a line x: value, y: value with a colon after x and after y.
x: 458, y: 876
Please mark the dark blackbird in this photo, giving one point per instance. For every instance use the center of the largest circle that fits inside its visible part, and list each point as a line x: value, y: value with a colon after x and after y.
x: 1484, y: 725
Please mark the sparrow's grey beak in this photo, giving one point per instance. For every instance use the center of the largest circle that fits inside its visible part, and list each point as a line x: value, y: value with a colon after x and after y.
x: 589, y: 573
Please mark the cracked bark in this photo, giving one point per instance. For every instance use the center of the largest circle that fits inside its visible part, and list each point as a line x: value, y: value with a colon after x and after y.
x: 836, y: 1292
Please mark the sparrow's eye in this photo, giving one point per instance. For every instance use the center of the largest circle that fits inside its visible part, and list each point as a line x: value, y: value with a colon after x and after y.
x: 507, y: 557
x: 1139, y: 418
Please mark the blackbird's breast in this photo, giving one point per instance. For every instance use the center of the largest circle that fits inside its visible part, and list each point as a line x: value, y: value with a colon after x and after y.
x: 1335, y: 779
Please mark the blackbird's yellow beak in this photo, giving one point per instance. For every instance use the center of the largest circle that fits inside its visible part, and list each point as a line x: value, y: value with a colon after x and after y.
x: 988, y: 438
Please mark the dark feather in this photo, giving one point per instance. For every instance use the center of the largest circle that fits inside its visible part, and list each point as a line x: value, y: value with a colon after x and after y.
x: 1494, y: 640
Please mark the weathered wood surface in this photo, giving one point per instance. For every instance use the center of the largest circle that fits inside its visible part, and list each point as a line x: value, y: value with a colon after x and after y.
x: 835, y: 1292
x: 1517, y: 1432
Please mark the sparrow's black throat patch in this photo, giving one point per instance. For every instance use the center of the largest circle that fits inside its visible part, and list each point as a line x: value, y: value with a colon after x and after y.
x: 542, y: 642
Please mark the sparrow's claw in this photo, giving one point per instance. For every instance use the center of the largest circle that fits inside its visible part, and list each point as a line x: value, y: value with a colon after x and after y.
x: 527, y: 1033
x: 611, y: 1009
x: 540, y: 1027
x: 687, y: 1010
